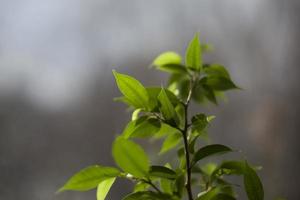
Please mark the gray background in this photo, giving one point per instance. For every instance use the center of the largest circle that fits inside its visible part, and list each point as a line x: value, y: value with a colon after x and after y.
x: 56, y: 85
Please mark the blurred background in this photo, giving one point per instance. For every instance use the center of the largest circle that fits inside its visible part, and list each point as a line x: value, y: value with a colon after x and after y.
x: 56, y: 85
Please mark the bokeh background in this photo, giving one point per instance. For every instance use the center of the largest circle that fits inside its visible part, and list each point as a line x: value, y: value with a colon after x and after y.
x: 56, y: 86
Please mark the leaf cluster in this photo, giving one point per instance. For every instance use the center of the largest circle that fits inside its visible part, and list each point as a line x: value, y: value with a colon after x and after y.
x: 162, y: 113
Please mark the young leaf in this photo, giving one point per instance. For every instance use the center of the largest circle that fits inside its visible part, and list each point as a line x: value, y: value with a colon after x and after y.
x: 133, y: 90
x: 130, y: 157
x: 193, y: 57
x: 104, y: 187
x: 88, y: 178
x: 162, y: 172
x: 166, y: 107
x: 170, y: 142
x: 253, y: 185
x: 153, y: 94
x: 166, y: 58
x: 210, y: 150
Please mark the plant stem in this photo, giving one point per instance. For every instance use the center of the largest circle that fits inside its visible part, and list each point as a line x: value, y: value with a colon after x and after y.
x: 186, y: 145
x: 152, y: 184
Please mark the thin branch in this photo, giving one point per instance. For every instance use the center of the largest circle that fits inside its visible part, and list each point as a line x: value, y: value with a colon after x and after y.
x: 152, y: 184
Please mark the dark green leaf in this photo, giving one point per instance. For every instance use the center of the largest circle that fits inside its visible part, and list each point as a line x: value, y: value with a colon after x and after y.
x: 193, y: 56
x: 216, y: 70
x: 219, y: 83
x: 199, y: 122
x: 147, y: 195
x: 210, y: 150
x: 253, y: 185
x: 162, y: 172
x: 125, y: 154
x: 133, y: 90
x: 223, y: 197
x: 89, y: 178
x: 104, y: 187
x: 141, y: 186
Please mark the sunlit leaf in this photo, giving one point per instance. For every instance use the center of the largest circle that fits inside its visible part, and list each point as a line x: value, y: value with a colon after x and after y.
x: 166, y: 107
x: 125, y: 154
x: 89, y: 178
x: 193, y: 57
x: 170, y: 142
x: 166, y: 58
x: 104, y: 187
x: 133, y: 90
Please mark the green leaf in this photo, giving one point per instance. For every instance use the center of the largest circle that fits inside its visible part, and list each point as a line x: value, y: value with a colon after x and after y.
x: 252, y: 183
x: 142, y: 127
x: 130, y: 157
x: 166, y: 107
x: 153, y: 94
x: 223, y: 197
x: 199, y: 122
x: 173, y: 68
x: 165, y: 130
x: 162, y: 172
x: 88, y: 178
x: 166, y: 58
x: 219, y: 83
x: 141, y: 186
x: 216, y: 70
x: 193, y: 57
x: 208, y: 195
x: 170, y: 142
x: 133, y: 90
x: 210, y: 150
x: 147, y: 195
x: 104, y: 187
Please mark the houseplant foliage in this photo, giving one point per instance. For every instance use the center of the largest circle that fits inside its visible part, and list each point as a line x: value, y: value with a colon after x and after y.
x: 159, y: 112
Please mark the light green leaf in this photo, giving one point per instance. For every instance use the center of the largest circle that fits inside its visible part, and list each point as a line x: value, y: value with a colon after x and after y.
x: 130, y: 157
x: 133, y: 90
x: 193, y: 57
x: 88, y: 178
x: 165, y: 129
x: 166, y: 58
x: 162, y: 172
x: 170, y: 142
x: 210, y: 150
x: 142, y: 127
x: 104, y: 187
x: 252, y: 183
x: 153, y: 94
x: 166, y: 107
